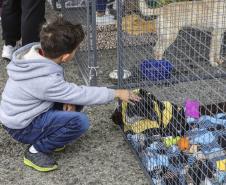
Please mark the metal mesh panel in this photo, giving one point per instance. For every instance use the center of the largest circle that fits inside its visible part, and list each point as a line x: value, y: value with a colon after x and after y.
x: 106, y: 40
x: 83, y: 12
x: 97, y: 55
x: 174, y: 52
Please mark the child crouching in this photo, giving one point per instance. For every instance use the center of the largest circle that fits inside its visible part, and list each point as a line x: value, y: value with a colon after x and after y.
x: 38, y: 106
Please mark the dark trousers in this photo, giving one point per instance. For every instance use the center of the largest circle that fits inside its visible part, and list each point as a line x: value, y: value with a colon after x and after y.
x: 101, y: 5
x: 52, y: 129
x: 1, y: 8
x: 22, y: 19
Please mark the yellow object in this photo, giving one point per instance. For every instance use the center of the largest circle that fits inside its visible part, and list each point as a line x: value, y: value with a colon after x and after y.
x: 183, y: 143
x: 38, y: 168
x: 135, y: 25
x: 60, y: 149
x: 169, y: 141
x: 145, y: 124
x: 221, y: 165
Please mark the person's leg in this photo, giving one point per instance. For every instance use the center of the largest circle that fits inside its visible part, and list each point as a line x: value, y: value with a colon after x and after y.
x: 33, y: 16
x: 52, y: 130
x: 49, y: 131
x: 63, y: 127
x: 101, y: 7
x: 11, y: 16
x: 1, y: 8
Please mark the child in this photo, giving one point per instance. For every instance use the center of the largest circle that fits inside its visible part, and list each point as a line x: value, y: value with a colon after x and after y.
x: 28, y: 109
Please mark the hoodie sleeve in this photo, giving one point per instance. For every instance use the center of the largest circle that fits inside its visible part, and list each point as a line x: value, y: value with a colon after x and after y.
x: 61, y: 91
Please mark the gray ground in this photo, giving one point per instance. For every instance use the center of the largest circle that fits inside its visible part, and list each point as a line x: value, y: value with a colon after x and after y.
x: 101, y: 156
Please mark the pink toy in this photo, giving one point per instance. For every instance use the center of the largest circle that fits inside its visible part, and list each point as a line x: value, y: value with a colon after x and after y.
x: 192, y: 108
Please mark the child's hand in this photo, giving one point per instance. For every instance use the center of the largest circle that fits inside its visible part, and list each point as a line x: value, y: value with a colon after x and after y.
x: 127, y: 96
x: 69, y: 107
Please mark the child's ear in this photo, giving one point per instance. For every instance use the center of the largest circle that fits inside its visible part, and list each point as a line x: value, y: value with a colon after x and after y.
x: 65, y: 57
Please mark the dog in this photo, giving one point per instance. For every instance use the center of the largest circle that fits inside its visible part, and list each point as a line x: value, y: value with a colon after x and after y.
x: 202, y: 14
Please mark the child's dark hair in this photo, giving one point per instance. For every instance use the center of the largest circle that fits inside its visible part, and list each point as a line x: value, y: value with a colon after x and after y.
x: 60, y: 37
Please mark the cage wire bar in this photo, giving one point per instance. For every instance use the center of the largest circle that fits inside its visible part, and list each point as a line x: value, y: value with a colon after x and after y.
x: 171, y: 53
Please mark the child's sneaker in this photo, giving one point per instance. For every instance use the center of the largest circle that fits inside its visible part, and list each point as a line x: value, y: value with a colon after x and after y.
x: 7, y: 52
x: 39, y: 161
x: 60, y: 149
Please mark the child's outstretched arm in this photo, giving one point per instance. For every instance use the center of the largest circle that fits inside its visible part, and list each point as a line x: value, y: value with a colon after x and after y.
x: 59, y: 90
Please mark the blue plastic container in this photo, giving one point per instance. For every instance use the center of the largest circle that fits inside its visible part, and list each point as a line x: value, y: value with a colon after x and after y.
x: 156, y: 69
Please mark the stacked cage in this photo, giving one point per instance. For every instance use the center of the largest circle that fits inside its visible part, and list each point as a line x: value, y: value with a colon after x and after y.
x: 171, y: 53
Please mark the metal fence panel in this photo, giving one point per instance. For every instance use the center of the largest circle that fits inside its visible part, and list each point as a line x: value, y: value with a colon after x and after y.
x: 172, y: 53
x: 83, y: 12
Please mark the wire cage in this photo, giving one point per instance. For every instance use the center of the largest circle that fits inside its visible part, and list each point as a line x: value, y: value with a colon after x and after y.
x: 172, y: 54
x: 175, y: 57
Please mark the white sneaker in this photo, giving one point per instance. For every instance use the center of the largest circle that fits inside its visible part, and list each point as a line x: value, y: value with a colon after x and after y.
x: 105, y: 20
x: 7, y: 52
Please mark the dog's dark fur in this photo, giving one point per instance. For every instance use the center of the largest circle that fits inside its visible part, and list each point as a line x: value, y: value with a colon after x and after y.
x: 176, y: 126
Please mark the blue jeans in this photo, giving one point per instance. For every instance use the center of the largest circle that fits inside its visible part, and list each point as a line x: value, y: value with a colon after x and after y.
x: 101, y: 5
x: 52, y: 129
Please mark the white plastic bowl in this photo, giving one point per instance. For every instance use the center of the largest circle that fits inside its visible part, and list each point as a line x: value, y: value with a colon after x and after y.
x: 114, y: 75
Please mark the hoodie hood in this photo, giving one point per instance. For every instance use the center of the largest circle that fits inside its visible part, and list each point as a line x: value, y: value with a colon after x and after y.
x: 27, y: 63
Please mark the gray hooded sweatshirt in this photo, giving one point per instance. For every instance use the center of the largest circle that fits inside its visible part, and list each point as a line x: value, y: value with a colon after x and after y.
x: 35, y: 83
